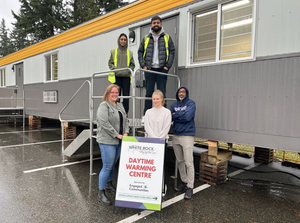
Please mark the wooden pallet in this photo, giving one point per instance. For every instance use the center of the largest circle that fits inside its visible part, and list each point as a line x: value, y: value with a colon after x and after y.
x: 70, y: 132
x: 263, y: 155
x: 3, y: 121
x: 213, y: 174
x: 34, y: 123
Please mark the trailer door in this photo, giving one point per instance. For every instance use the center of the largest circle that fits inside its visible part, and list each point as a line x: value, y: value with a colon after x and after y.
x: 19, y: 83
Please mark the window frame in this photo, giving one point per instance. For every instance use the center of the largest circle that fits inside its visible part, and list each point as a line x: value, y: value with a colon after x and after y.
x: 2, y: 77
x: 50, y: 55
x: 191, y: 48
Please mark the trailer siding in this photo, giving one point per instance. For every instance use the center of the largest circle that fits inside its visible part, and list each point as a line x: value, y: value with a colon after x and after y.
x: 245, y: 101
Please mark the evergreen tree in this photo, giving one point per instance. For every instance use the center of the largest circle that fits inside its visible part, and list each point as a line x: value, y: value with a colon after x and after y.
x: 41, y: 19
x: 5, y: 46
x: 19, y: 39
x: 109, y: 5
x: 83, y: 10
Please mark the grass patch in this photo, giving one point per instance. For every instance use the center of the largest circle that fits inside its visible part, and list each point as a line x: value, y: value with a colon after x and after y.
x: 279, y: 155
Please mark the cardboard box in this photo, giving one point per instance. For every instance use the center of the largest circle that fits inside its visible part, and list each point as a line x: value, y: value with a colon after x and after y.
x: 212, y: 148
x: 222, y: 156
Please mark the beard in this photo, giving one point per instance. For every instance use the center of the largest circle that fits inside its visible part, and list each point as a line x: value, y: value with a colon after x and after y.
x: 156, y: 28
x: 181, y: 98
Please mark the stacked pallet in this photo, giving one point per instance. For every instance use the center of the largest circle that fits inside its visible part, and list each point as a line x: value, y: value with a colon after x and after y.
x: 212, y: 173
x: 213, y: 164
x: 263, y: 155
x: 34, y: 122
x: 69, y: 132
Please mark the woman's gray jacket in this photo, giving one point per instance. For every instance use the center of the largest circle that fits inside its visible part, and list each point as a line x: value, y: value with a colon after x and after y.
x: 108, y: 122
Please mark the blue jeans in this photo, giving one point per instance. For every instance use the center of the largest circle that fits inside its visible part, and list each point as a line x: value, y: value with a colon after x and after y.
x: 150, y: 80
x: 110, y: 155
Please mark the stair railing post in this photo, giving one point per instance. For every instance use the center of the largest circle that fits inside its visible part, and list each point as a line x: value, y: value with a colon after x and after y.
x: 133, y: 102
x: 63, y: 140
x: 91, y: 113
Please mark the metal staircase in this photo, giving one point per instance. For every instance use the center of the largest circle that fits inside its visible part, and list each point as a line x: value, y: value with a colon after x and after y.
x: 77, y: 142
x: 12, y: 107
x: 88, y: 133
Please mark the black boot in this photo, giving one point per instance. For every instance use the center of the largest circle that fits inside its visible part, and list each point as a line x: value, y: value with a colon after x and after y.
x: 110, y: 187
x: 102, y: 198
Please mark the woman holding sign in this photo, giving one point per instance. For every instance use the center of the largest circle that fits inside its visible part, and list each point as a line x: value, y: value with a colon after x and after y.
x: 112, y: 125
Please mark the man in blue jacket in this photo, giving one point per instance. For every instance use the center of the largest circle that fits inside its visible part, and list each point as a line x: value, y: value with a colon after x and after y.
x: 183, y: 113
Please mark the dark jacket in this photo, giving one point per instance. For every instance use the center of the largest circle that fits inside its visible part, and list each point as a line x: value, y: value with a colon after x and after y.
x: 183, y: 114
x: 147, y: 61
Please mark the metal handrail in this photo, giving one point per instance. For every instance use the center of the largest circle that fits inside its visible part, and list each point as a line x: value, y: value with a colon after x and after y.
x: 12, y: 98
x: 134, y: 98
x: 62, y: 110
x: 79, y: 120
x: 104, y: 74
x: 91, y: 111
x: 140, y: 98
x: 91, y: 104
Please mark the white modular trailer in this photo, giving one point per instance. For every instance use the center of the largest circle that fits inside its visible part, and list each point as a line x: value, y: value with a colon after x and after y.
x: 240, y: 60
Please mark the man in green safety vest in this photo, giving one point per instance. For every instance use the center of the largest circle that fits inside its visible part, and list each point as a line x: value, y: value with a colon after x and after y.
x: 156, y: 52
x: 121, y: 57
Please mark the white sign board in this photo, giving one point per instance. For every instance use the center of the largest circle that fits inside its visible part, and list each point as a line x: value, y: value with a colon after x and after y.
x: 140, y: 173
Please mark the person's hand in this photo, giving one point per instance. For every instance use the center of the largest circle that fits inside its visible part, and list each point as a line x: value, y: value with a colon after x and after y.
x: 165, y: 68
x: 126, y: 134
x: 145, y: 68
x: 119, y: 136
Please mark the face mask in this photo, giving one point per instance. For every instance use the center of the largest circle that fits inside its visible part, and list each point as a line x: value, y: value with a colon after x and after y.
x: 156, y: 29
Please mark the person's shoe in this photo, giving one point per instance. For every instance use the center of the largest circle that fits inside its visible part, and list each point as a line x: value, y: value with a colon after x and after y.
x: 188, y: 194
x: 103, y: 199
x: 110, y: 187
x: 181, y: 187
x: 142, y: 120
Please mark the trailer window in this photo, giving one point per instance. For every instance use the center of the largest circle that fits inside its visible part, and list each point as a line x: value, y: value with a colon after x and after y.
x: 52, y: 67
x: 224, y: 33
x: 2, y: 78
x: 205, y: 36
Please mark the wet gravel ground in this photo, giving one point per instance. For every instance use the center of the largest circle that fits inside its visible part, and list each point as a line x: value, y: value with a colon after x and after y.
x: 69, y: 193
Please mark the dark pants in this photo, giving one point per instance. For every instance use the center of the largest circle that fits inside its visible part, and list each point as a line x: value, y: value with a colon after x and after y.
x: 151, y: 79
x: 124, y: 84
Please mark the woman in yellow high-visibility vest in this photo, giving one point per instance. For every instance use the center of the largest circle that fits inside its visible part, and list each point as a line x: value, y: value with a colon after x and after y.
x: 121, y: 57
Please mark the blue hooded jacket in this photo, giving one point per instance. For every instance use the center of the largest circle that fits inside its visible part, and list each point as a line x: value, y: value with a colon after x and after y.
x: 183, y: 114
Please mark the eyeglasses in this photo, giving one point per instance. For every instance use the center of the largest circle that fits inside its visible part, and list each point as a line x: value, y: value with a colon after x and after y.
x: 114, y: 92
x: 182, y: 92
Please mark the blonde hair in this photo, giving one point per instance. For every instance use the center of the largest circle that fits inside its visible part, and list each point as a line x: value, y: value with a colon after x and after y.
x: 108, y: 90
x: 159, y: 93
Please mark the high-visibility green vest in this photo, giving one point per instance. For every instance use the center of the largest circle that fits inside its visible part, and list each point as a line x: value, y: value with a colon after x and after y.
x: 166, y: 38
x: 111, y: 75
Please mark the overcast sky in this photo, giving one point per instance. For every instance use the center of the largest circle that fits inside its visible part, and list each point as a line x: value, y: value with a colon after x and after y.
x: 5, y: 10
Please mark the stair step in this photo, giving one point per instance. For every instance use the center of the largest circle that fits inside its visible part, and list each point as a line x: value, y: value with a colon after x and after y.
x: 77, y: 143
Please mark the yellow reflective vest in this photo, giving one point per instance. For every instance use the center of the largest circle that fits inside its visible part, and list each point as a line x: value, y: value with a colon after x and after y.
x: 111, y: 75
